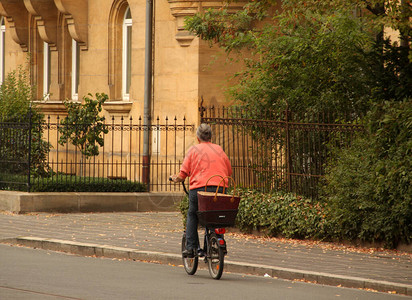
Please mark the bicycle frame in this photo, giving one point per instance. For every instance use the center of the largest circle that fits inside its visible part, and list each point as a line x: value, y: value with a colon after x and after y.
x: 220, y: 237
x: 214, y: 250
x: 219, y: 231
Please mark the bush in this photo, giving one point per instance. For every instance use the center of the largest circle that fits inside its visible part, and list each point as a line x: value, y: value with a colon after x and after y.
x: 184, y: 207
x: 369, y: 185
x: 86, y: 184
x: 83, y: 127
x: 12, y: 182
x: 276, y: 214
x: 16, y: 109
x: 63, y: 183
x: 280, y: 214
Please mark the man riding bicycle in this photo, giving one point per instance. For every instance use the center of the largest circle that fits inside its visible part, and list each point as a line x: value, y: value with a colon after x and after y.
x: 201, y: 162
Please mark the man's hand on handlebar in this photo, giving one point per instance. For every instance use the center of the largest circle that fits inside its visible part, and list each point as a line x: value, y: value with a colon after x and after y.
x: 176, y: 178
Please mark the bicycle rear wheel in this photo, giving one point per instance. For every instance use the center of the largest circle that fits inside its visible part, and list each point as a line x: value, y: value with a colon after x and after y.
x: 215, y: 257
x: 190, y: 263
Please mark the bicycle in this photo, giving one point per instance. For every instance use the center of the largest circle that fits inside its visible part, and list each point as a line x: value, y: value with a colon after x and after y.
x: 214, y: 245
x: 213, y: 251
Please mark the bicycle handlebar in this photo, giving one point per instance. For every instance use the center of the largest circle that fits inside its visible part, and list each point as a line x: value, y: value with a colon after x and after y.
x: 184, y: 187
x: 183, y: 184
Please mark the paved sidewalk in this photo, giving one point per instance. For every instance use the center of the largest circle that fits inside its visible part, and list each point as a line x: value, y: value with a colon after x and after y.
x: 157, y: 236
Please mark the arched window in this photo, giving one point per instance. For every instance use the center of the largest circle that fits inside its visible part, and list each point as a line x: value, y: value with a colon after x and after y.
x: 75, y: 70
x: 2, y: 48
x: 127, y: 54
x: 46, y: 71
x: 120, y: 51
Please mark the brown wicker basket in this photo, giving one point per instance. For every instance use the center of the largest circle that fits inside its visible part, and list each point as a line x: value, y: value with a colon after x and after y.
x: 217, y: 209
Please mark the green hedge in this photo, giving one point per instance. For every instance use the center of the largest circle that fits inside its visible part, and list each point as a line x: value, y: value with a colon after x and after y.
x: 281, y: 214
x: 63, y: 183
x: 13, y: 182
x: 184, y: 207
x: 276, y: 214
x: 369, y: 185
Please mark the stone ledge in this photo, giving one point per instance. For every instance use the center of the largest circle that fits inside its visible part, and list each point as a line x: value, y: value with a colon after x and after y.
x: 118, y: 107
x: 52, y: 107
x: 23, y: 202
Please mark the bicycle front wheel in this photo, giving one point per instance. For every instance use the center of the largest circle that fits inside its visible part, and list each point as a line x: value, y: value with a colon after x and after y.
x: 215, y: 257
x: 189, y: 263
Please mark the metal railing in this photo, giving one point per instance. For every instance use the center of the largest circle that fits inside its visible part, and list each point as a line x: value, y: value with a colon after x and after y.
x: 288, y: 154
x: 15, y: 150
x: 120, y: 158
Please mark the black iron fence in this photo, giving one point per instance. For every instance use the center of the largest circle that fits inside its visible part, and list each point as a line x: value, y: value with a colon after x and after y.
x: 15, y: 150
x: 120, y: 158
x: 287, y: 154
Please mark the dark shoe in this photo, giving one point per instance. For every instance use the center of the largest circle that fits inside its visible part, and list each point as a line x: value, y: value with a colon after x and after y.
x: 201, y: 253
x: 188, y: 253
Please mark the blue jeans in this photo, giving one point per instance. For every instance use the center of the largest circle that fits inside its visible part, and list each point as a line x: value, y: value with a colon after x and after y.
x: 192, y: 237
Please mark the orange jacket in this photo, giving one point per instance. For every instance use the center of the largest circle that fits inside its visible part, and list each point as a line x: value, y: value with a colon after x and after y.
x: 202, y: 161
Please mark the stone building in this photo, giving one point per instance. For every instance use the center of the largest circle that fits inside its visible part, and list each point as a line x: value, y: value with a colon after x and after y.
x: 87, y: 46
x: 135, y: 51
x: 78, y: 47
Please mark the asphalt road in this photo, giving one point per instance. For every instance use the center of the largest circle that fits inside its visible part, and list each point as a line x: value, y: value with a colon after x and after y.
x: 27, y: 273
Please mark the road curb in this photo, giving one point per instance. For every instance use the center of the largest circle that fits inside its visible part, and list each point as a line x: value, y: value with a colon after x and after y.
x: 24, y: 202
x: 88, y: 249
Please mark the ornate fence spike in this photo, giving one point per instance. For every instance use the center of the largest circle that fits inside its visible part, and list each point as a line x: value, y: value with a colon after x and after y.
x: 120, y: 156
x: 288, y: 153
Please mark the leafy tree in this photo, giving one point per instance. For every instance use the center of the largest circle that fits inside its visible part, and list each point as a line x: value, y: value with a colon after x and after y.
x: 316, y: 56
x: 312, y: 56
x: 394, y: 14
x: 83, y: 127
x: 390, y: 60
x: 369, y: 185
x: 16, y: 94
x: 16, y: 106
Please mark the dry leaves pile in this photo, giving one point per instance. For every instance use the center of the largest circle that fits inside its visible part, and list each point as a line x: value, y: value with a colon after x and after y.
x: 319, y: 244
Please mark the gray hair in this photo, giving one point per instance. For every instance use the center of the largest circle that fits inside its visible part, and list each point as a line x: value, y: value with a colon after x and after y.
x: 204, y: 133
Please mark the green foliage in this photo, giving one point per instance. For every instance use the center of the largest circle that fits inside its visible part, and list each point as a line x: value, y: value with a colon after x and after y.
x: 276, y: 214
x: 331, y: 56
x: 311, y: 57
x: 86, y: 184
x: 12, y: 182
x: 392, y: 72
x: 281, y: 214
x: 69, y: 183
x: 16, y: 111
x: 15, y: 96
x: 83, y: 127
x: 369, y: 185
x: 231, y: 30
x: 394, y: 14
x: 184, y: 207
